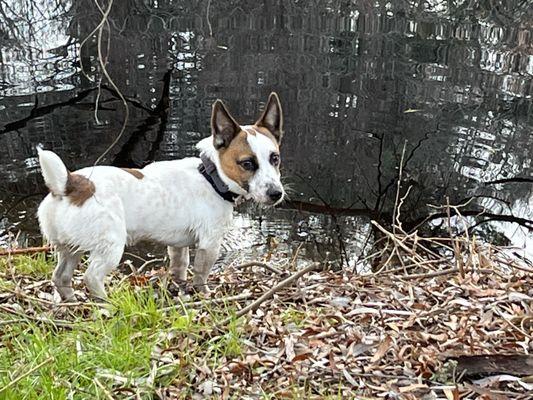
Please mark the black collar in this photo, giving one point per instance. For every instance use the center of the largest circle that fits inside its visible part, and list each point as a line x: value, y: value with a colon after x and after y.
x: 209, y: 170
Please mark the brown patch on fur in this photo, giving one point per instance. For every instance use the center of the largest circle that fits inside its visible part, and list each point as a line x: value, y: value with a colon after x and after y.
x: 135, y: 172
x: 79, y: 189
x: 238, y: 149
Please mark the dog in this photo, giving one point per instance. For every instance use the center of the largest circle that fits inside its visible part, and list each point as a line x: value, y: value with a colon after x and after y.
x: 101, y: 209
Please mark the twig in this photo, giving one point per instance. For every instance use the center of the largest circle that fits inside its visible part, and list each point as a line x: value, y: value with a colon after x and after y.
x: 24, y: 375
x: 207, y: 18
x: 512, y: 265
x: 12, y: 321
x: 149, y: 262
x: 396, y: 210
x: 237, y: 297
x: 56, y: 323
x: 456, y: 248
x: 511, y: 324
x: 99, y: 384
x: 27, y: 250
x: 258, y: 264
x: 394, y: 237
x: 409, y: 266
x: 52, y: 303
x: 429, y: 274
x: 440, y: 273
x: 105, y: 15
x: 284, y: 283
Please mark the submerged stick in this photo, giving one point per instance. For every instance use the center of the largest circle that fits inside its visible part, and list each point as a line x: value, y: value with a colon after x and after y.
x: 265, y: 296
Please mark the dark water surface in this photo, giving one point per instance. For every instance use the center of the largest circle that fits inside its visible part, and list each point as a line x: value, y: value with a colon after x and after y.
x: 451, y: 82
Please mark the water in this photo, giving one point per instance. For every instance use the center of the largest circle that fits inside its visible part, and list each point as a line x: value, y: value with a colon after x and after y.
x: 360, y: 81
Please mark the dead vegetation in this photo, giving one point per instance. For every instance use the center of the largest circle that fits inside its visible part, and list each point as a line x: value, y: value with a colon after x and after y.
x: 443, y: 318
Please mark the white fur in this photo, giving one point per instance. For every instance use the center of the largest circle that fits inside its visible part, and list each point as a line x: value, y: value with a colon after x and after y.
x: 172, y: 204
x: 54, y: 171
x: 267, y: 176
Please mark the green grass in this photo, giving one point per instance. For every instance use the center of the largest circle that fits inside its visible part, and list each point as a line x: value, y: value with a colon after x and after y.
x: 291, y: 315
x: 114, y: 347
x: 140, y: 342
x: 38, y: 266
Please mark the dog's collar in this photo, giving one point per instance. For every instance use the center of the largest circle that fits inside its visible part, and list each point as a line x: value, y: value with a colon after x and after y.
x: 209, y: 170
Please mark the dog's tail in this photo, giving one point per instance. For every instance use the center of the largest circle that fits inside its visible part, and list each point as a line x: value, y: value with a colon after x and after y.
x: 54, y: 172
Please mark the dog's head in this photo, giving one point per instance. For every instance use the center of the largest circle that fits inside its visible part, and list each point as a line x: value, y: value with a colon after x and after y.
x: 248, y: 157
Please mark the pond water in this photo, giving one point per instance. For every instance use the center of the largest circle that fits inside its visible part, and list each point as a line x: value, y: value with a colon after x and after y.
x: 448, y: 84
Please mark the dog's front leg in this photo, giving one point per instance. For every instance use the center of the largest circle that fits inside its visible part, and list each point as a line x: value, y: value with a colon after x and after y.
x: 179, y: 261
x: 203, y: 262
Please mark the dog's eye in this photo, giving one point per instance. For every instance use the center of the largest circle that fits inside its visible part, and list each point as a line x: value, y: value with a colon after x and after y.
x: 274, y: 159
x: 248, y: 165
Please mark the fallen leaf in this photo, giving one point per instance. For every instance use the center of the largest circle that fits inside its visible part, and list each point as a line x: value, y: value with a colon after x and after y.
x: 382, y: 349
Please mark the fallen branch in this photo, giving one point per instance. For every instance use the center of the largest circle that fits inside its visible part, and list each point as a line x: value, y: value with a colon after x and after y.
x: 27, y: 250
x: 284, y: 283
x: 515, y: 364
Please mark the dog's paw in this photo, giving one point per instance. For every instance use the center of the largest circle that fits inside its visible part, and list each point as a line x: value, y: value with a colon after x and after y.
x: 177, y: 288
x: 59, y: 298
x: 202, y: 290
x: 70, y: 299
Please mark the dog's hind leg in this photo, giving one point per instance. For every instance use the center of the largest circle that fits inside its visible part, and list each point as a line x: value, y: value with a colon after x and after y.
x: 62, y: 276
x: 102, y: 263
x: 179, y: 261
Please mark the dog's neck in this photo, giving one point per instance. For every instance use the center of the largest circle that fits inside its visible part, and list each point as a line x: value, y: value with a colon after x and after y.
x: 209, y: 170
x: 210, y: 154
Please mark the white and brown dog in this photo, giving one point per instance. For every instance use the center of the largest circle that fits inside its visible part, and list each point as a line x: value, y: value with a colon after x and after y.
x: 99, y: 210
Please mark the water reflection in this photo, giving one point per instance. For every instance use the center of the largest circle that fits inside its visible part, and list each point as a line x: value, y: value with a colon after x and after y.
x: 359, y: 81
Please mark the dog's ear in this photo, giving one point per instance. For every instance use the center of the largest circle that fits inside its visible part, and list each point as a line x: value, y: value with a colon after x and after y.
x: 223, y: 127
x: 272, y: 117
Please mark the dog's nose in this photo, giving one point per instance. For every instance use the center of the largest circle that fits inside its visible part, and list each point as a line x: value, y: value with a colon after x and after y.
x: 274, y: 194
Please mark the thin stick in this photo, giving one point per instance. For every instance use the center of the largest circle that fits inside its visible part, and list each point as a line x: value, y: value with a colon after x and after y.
x: 457, y: 250
x: 99, y: 384
x: 284, y: 283
x: 55, y: 322
x: 149, y: 262
x: 394, y: 237
x: 242, y: 296
x: 396, y: 210
x: 52, y: 303
x: 440, y: 273
x: 258, y: 264
x: 12, y: 321
x: 103, y: 67
x: 24, y: 375
x: 27, y: 250
x: 520, y: 267
x: 207, y: 18
x: 430, y: 274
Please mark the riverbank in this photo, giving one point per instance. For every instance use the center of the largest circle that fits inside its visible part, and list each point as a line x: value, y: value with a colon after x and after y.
x: 409, y: 330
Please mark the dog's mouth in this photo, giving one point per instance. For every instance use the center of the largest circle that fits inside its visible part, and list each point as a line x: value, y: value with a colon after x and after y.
x: 267, y: 201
